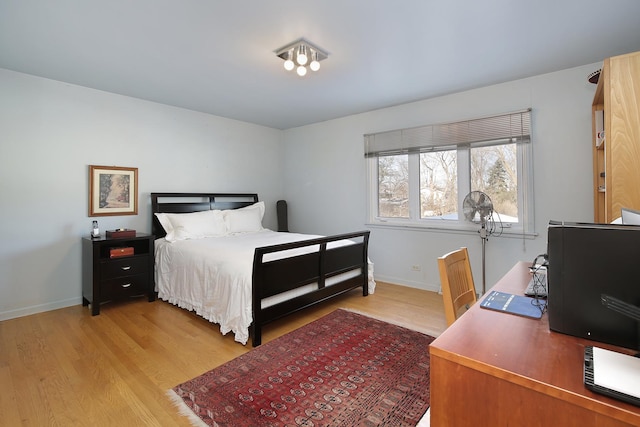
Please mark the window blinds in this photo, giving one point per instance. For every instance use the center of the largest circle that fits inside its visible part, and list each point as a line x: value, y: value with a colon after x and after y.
x: 501, y: 129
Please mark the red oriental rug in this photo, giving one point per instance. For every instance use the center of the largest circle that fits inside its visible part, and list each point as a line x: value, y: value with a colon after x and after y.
x: 344, y: 369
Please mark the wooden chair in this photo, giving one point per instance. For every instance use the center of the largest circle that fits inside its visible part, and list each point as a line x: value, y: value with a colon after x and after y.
x: 458, y: 290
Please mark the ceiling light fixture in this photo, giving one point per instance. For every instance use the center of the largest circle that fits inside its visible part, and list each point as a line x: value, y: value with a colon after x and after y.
x: 302, y: 55
x: 315, y: 64
x: 288, y: 63
x: 296, y: 56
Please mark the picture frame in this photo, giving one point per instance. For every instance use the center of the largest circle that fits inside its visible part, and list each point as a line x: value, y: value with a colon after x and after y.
x: 113, y: 190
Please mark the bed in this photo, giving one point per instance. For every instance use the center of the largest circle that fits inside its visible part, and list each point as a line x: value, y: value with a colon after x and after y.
x: 213, y: 257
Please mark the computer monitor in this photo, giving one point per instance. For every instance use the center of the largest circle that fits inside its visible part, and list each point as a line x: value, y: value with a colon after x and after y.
x: 587, y: 261
x: 630, y: 216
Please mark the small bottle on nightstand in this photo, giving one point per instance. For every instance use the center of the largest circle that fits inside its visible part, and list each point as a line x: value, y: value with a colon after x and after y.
x: 95, y: 231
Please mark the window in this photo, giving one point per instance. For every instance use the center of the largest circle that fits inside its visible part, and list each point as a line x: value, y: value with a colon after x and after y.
x: 420, y: 176
x: 393, y: 186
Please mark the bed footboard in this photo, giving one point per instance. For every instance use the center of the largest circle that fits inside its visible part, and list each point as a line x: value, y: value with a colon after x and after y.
x: 319, y: 269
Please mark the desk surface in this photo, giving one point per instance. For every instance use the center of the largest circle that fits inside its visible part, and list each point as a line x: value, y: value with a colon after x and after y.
x: 523, y: 352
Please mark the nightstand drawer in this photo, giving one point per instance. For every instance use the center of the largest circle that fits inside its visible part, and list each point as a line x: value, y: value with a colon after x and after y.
x: 130, y: 266
x: 123, y: 287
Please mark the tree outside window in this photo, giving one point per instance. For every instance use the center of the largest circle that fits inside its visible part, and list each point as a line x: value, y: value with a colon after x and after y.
x: 393, y: 186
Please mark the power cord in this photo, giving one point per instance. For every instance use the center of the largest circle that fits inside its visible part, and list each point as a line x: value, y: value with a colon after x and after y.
x: 538, y: 269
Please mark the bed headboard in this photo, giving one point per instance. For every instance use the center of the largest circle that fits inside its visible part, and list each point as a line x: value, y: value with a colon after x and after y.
x: 194, y: 202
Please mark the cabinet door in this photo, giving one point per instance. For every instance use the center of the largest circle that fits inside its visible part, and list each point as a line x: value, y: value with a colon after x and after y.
x: 623, y: 153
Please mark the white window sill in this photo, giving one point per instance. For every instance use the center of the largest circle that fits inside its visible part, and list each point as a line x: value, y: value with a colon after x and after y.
x: 455, y: 228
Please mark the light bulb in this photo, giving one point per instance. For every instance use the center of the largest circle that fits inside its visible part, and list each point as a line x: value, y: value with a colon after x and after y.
x: 301, y: 70
x: 288, y: 65
x: 315, y: 65
x: 302, y: 55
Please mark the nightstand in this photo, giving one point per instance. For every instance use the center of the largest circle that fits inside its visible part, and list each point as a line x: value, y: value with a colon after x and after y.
x: 106, y: 278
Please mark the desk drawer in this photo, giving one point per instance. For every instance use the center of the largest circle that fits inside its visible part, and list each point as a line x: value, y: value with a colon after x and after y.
x: 123, y: 287
x: 130, y: 266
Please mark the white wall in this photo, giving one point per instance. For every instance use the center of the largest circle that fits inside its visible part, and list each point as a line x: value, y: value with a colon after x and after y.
x: 325, y: 175
x: 50, y: 132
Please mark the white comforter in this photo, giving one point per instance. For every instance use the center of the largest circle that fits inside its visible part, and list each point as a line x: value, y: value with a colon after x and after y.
x: 212, y: 276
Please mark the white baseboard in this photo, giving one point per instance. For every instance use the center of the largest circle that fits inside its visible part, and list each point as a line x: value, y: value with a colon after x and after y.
x: 411, y: 284
x: 40, y: 308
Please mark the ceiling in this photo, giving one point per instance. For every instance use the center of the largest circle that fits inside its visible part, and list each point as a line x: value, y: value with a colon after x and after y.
x: 218, y: 56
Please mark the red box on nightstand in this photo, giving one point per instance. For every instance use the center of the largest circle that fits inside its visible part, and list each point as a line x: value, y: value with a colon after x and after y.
x: 120, y: 252
x: 121, y: 233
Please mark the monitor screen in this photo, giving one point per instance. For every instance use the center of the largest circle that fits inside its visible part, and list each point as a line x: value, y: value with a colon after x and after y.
x: 587, y: 261
x: 630, y: 216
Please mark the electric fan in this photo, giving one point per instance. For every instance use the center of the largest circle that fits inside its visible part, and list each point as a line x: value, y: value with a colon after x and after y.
x: 477, y: 206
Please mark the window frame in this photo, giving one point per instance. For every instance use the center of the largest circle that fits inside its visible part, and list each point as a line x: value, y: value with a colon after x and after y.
x: 524, y: 162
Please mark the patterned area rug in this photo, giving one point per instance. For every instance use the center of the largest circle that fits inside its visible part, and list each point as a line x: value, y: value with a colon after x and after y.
x: 344, y: 369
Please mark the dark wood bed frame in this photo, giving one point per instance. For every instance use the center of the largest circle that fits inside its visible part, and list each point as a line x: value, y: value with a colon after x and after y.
x: 277, y: 276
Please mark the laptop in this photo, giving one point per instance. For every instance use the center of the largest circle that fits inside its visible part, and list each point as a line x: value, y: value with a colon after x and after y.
x: 612, y: 374
x: 630, y: 217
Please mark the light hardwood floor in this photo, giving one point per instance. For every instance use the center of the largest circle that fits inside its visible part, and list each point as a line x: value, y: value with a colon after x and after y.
x: 67, y: 368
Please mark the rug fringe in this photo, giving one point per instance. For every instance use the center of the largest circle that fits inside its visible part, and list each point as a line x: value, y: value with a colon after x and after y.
x: 425, y: 421
x: 185, y: 411
x: 393, y: 322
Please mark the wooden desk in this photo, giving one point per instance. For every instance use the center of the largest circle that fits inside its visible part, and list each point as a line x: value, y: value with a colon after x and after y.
x: 498, y: 369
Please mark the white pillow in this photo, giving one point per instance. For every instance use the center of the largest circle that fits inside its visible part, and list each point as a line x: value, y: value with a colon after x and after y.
x: 257, y: 205
x: 196, y: 225
x: 244, y: 220
x: 165, y: 222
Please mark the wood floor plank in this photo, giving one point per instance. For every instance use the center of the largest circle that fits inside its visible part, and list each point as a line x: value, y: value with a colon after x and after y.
x: 66, y: 367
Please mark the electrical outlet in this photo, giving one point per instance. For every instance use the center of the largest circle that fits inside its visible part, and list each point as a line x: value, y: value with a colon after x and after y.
x: 415, y: 268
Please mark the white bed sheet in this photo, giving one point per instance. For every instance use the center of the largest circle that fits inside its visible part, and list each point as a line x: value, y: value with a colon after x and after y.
x: 212, y: 276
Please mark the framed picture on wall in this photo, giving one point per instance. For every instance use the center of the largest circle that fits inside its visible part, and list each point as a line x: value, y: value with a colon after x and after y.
x: 113, y: 190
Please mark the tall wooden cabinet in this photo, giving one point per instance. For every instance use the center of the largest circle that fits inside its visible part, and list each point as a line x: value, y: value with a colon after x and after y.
x: 616, y: 137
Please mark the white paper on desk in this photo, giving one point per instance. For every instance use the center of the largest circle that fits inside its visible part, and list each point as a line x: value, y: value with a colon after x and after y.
x: 616, y: 371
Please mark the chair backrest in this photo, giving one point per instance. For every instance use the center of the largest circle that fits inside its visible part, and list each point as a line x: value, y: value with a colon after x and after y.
x: 458, y: 290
